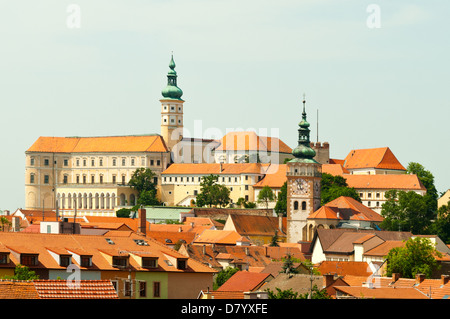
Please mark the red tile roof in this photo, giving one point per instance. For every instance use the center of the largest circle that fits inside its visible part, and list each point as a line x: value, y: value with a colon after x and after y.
x: 91, y: 245
x: 14, y: 289
x: 355, y: 268
x: 223, y: 294
x: 275, y: 177
x: 334, y: 169
x: 82, y: 289
x: 381, y: 158
x: 245, y: 281
x: 381, y: 293
x: 348, y: 209
x: 221, y: 237
x: 258, y: 225
x: 388, y: 181
x: 250, y: 141
x: 106, y: 144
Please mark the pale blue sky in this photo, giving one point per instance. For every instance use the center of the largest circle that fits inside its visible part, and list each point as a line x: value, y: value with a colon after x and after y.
x: 241, y: 64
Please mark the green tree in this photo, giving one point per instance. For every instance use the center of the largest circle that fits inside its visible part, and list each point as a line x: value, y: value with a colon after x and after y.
x: 333, y: 187
x: 427, y: 179
x: 282, y: 294
x: 405, y: 211
x: 441, y: 226
x: 4, y: 222
x: 288, y: 265
x: 143, y: 181
x: 417, y: 256
x: 211, y: 193
x: 266, y: 195
x: 274, y: 240
x: 22, y: 272
x: 223, y: 276
x: 316, y: 293
x: 123, y: 212
x: 281, y: 204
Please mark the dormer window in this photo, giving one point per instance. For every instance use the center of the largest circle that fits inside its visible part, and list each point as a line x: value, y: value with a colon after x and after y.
x: 85, y: 261
x: 29, y: 259
x: 65, y: 260
x: 181, y: 263
x: 149, y: 262
x: 4, y: 258
x: 120, y: 261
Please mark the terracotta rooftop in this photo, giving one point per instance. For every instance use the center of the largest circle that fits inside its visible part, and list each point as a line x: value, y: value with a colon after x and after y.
x: 250, y: 141
x: 381, y: 181
x: 245, y: 281
x: 82, y: 289
x: 348, y: 209
x: 106, y: 144
x: 57, y: 289
x: 96, y: 246
x: 275, y: 177
x: 257, y: 225
x: 257, y: 257
x: 334, y: 169
x: 10, y: 289
x: 355, y: 268
x: 221, y: 237
x: 381, y: 293
x: 222, y: 294
x: 381, y: 158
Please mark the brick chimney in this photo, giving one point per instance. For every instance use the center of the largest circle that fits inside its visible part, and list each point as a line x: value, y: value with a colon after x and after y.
x: 420, y: 278
x: 328, y: 279
x: 444, y: 279
x: 395, y: 276
x: 142, y: 221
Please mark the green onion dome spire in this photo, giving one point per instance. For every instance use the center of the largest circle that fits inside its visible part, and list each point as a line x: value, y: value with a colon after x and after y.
x: 172, y: 91
x: 303, y: 152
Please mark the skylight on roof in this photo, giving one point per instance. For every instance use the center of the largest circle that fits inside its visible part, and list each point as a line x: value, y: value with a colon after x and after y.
x: 140, y: 242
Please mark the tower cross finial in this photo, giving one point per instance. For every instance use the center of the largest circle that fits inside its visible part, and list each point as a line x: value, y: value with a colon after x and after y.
x: 304, y: 109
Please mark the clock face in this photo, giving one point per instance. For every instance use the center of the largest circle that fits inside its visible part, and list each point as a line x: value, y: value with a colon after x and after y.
x: 300, y: 186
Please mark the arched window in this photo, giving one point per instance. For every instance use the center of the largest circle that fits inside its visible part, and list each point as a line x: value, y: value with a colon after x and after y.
x: 122, y: 199
x: 303, y: 205
x: 107, y: 204
x: 132, y: 200
x: 295, y: 205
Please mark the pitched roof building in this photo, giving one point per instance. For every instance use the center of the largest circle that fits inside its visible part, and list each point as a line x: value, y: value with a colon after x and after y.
x: 260, y: 229
x: 247, y: 146
x: 373, y: 161
x: 246, y: 281
x: 115, y: 256
x: 344, y: 212
x: 89, y: 172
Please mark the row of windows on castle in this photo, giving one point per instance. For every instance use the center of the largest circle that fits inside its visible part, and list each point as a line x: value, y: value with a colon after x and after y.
x: 84, y: 179
x: 84, y: 162
x: 198, y: 179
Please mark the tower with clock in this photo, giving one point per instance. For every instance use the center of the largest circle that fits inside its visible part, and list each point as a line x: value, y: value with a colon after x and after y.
x: 304, y: 175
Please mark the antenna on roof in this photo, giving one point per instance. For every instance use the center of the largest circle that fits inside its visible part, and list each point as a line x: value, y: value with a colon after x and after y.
x: 317, y: 125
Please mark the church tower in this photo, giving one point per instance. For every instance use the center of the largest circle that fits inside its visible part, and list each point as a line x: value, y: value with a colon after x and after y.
x: 172, y: 109
x: 304, y: 176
